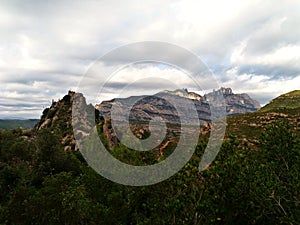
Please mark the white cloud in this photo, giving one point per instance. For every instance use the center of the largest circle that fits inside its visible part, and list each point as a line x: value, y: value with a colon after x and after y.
x: 288, y: 55
x: 260, y: 87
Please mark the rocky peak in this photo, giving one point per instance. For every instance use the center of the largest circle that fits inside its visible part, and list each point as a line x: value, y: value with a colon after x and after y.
x: 236, y: 103
x: 226, y: 91
x: 58, y: 118
x: 223, y: 91
x: 183, y: 93
x: 57, y: 109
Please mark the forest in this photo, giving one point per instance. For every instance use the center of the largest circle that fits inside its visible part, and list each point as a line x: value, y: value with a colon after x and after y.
x: 40, y: 183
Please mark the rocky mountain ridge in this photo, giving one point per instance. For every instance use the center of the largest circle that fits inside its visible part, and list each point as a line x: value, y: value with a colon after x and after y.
x: 59, y: 115
x: 148, y: 106
x: 58, y: 118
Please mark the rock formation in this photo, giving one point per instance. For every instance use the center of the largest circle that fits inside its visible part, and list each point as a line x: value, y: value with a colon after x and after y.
x: 59, y: 116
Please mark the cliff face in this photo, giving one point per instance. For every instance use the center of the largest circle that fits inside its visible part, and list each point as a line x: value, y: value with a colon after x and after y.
x: 59, y: 111
x: 235, y: 103
x: 149, y: 106
x: 144, y: 108
x: 58, y: 118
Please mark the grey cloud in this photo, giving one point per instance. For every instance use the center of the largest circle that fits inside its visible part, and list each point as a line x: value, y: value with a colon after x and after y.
x: 51, y: 43
x: 154, y: 85
x: 275, y: 33
x: 273, y: 72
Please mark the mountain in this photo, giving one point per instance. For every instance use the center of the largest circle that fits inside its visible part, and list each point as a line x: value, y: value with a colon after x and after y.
x: 59, y: 116
x: 289, y: 100
x: 236, y: 103
x: 146, y: 107
x: 15, y: 123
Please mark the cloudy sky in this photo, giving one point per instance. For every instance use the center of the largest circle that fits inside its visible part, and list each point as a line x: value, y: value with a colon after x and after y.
x: 47, y: 46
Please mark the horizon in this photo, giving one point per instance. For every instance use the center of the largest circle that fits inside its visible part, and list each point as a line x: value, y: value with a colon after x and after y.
x: 48, y: 47
x: 56, y: 100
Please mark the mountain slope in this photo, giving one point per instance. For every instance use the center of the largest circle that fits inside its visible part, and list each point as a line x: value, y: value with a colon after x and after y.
x: 289, y: 100
x: 149, y: 106
x: 236, y: 103
x: 249, y: 126
x: 58, y: 117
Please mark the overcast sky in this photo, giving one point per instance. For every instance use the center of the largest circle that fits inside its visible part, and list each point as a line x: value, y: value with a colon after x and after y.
x: 47, y: 46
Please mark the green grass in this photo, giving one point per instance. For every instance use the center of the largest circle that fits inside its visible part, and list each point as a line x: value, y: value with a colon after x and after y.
x: 289, y: 100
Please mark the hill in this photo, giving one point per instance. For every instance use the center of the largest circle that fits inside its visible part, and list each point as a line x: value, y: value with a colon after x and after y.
x: 289, y: 100
x: 14, y: 123
x: 250, y: 126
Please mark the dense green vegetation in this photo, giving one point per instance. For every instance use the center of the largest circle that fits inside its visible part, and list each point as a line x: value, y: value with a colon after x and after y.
x: 250, y: 126
x: 12, y: 124
x: 40, y: 183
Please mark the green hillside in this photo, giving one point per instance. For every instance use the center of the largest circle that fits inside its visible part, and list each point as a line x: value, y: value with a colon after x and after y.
x: 289, y: 100
x: 251, y: 125
x: 11, y: 123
